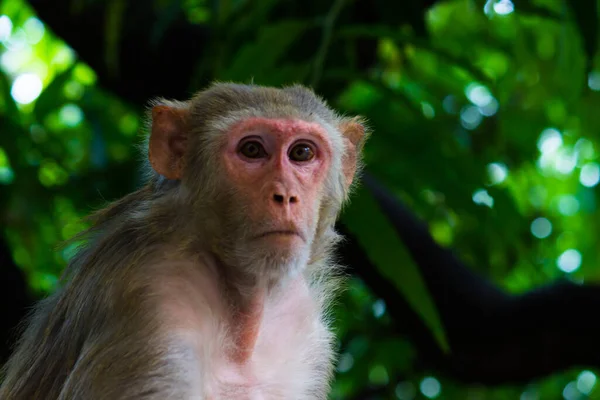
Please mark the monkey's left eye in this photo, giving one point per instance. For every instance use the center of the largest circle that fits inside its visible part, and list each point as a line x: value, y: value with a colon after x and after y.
x: 302, y: 152
x: 253, y: 149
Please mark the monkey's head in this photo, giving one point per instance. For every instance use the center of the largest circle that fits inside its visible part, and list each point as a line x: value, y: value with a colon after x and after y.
x: 263, y: 171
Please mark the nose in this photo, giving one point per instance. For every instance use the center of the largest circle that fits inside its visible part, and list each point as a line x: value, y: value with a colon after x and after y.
x: 282, y: 195
x: 284, y: 199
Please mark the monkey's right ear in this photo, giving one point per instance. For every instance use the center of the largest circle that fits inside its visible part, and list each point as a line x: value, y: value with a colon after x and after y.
x: 354, y: 133
x: 168, y: 139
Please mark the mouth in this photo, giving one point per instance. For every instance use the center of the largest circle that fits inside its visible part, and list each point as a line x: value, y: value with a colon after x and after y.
x: 289, y: 233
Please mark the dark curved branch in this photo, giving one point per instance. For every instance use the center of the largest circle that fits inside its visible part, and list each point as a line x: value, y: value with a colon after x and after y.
x: 495, y: 337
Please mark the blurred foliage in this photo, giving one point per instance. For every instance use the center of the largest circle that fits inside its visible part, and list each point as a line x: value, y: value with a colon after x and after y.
x: 488, y: 129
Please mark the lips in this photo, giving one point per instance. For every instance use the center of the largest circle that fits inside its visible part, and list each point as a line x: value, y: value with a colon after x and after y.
x: 282, y: 232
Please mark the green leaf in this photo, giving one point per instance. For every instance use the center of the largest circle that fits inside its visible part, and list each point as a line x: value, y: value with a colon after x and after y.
x: 401, y: 38
x: 529, y: 8
x: 8, y: 103
x: 386, y: 251
x: 52, y: 96
x: 258, y: 59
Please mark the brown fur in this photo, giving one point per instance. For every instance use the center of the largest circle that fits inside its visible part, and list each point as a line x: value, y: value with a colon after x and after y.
x: 98, y: 336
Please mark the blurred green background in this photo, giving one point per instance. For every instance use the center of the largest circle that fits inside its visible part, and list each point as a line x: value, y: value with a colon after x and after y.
x: 485, y: 117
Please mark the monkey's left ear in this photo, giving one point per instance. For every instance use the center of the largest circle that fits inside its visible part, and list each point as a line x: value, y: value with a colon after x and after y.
x: 168, y: 141
x: 353, y: 131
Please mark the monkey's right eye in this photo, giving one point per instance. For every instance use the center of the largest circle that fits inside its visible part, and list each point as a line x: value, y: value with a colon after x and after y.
x: 253, y: 149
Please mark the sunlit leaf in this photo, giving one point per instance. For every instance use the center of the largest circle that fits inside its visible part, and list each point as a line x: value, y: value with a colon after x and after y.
x: 7, y: 102
x: 53, y: 94
x: 384, y: 248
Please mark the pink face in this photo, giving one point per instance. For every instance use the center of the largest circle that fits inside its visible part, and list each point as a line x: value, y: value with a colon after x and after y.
x: 279, y: 167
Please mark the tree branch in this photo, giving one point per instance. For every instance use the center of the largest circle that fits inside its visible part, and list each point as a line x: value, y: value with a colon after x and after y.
x: 494, y: 337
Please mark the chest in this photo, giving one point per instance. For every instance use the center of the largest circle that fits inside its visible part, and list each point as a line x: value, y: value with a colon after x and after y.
x: 291, y: 359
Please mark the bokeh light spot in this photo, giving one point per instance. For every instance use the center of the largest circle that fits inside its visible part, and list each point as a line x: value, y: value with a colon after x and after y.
x: 490, y: 109
x: 568, y: 205
x: 13, y: 61
x: 504, y: 7
x: 430, y: 387
x: 51, y: 174
x: 470, y: 117
x: 585, y: 149
x: 70, y: 115
x: 570, y: 392
x: 84, y: 74
x: 44, y: 281
x: 378, y: 375
x: 594, y: 80
x: 34, y: 29
x: 549, y: 141
x: 428, y: 110
x: 379, y: 308
x: 442, y: 232
x: 129, y: 124
x: 569, y: 261
x: 21, y: 256
x: 7, y: 176
x: 26, y: 88
x: 589, y: 175
x: 64, y: 57
x: 586, y: 382
x: 497, y: 173
x: 482, y: 197
x: 541, y: 228
x: 478, y: 94
x: 345, y: 362
x: 565, y: 162
x: 530, y: 394
x: 73, y: 90
x: 17, y: 41
x: 5, y: 27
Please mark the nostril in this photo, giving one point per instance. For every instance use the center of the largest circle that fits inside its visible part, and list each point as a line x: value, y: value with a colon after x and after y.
x: 278, y: 198
x: 293, y: 199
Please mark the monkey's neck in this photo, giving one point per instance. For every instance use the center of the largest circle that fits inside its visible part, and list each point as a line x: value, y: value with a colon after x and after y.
x: 245, y: 321
x: 246, y: 294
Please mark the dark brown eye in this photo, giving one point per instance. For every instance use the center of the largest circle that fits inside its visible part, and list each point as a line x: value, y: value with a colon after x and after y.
x: 302, y: 152
x: 253, y: 149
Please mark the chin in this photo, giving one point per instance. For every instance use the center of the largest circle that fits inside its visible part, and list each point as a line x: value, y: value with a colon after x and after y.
x: 277, y: 258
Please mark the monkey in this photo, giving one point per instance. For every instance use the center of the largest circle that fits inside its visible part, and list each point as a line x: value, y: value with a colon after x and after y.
x: 215, y: 279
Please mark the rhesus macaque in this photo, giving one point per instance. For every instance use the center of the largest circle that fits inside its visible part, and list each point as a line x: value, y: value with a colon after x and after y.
x: 213, y: 281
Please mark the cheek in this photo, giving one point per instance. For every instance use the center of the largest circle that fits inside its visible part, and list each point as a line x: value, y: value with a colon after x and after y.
x: 244, y: 177
x: 309, y: 208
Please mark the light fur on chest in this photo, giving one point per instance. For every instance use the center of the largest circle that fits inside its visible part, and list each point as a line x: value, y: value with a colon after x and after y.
x: 292, y: 336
